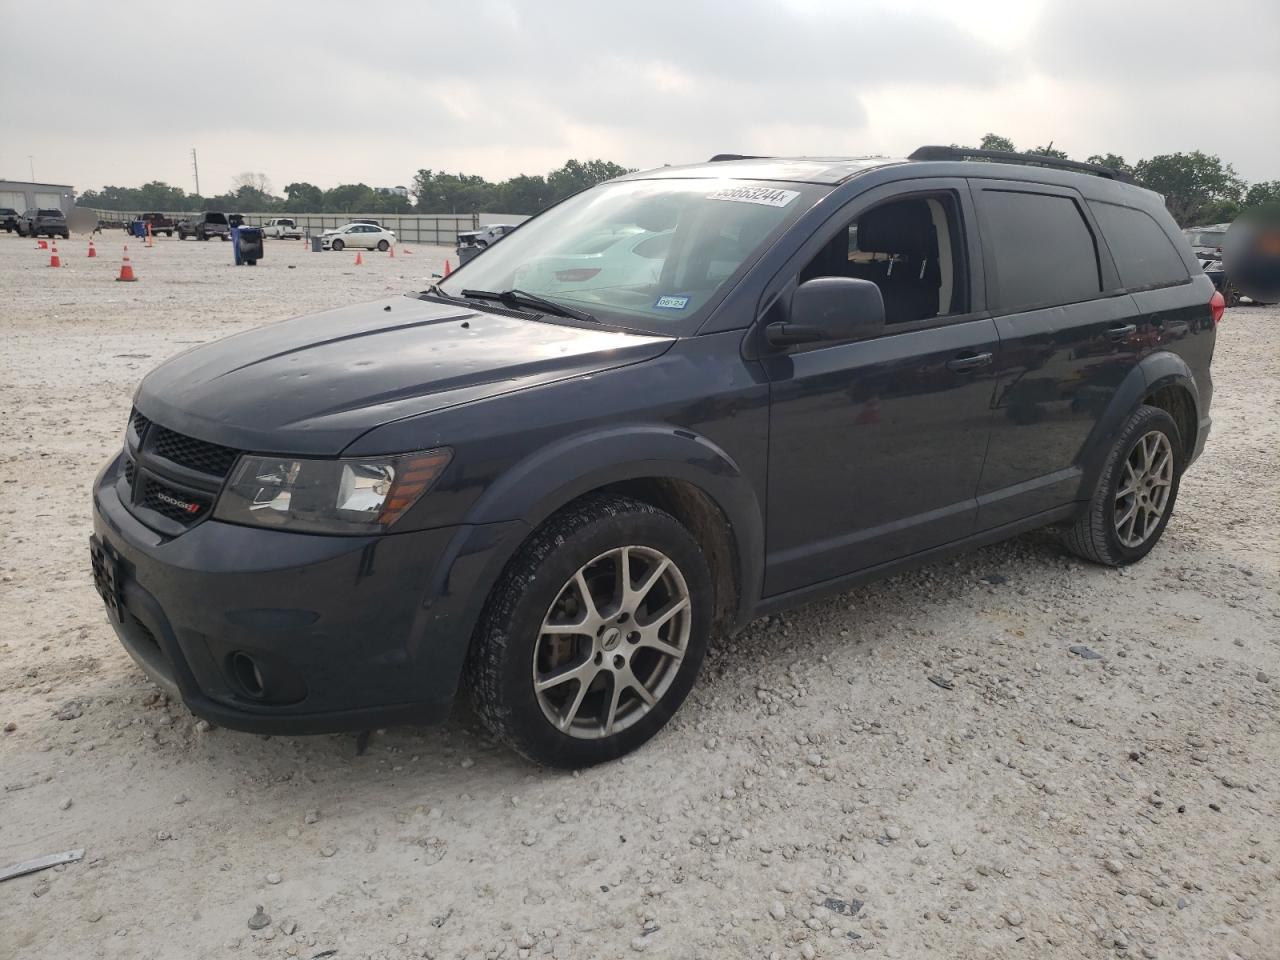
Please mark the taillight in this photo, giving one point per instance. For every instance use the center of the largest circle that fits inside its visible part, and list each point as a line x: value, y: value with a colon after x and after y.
x: 1217, y: 306
x: 577, y: 275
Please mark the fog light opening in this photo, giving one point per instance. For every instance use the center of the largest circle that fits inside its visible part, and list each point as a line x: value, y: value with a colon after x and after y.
x: 248, y: 675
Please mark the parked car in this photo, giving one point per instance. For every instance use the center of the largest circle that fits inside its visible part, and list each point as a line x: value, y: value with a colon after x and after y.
x: 8, y: 219
x: 554, y: 497
x: 483, y: 237
x: 356, y: 234
x: 282, y: 228
x: 1207, y: 242
x: 51, y: 223
x: 159, y: 222
x: 204, y: 226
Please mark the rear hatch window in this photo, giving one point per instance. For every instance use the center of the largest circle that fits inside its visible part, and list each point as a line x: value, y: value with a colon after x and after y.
x: 48, y: 213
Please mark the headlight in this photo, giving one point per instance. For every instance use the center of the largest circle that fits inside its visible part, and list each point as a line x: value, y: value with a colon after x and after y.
x: 358, y: 496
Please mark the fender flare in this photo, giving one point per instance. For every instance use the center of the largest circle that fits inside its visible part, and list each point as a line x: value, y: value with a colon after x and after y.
x: 534, y: 488
x: 1152, y: 373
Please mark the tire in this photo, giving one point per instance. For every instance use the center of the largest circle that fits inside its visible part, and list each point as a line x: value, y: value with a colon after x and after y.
x: 337, y: 245
x: 384, y: 246
x: 66, y: 236
x: 1096, y: 535
x: 568, y: 724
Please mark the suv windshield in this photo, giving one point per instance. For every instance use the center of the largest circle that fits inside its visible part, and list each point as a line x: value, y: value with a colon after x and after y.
x: 640, y: 253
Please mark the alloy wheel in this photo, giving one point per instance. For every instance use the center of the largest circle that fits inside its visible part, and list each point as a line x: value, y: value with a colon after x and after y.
x: 612, y: 642
x: 1143, y: 495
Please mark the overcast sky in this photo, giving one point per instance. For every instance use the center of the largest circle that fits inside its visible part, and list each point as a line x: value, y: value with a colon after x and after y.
x: 332, y: 92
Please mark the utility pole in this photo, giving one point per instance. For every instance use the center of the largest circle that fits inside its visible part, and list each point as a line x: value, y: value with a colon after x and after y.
x: 195, y: 167
x: 32, y: 160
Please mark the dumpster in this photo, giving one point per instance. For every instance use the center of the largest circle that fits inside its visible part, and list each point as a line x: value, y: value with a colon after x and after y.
x: 247, y: 245
x: 316, y: 245
x: 139, y: 229
x: 468, y: 252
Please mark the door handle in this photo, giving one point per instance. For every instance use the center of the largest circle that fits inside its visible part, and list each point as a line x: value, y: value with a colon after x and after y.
x: 968, y: 361
x: 1122, y: 331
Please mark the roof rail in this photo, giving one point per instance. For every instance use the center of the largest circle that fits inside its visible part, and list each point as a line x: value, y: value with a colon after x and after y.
x: 721, y: 157
x: 1030, y: 159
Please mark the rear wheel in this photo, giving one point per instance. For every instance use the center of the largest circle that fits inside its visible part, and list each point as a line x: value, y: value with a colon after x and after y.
x: 384, y: 246
x: 595, y: 634
x: 1136, y: 492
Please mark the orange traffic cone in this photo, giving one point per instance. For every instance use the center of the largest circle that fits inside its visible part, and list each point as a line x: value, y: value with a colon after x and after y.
x: 359, y: 259
x: 54, y: 259
x: 92, y: 252
x: 392, y: 252
x: 42, y: 244
x: 447, y: 271
x: 126, y: 268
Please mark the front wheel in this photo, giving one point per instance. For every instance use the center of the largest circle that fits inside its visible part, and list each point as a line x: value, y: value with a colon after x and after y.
x: 1135, y: 494
x: 337, y: 245
x: 595, y: 634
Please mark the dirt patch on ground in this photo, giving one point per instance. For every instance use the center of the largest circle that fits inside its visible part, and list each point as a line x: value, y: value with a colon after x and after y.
x: 919, y: 767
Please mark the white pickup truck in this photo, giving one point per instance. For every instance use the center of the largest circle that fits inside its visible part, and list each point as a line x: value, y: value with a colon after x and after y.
x: 282, y: 228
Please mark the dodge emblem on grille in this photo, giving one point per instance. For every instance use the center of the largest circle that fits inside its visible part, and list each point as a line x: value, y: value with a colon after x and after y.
x: 180, y: 504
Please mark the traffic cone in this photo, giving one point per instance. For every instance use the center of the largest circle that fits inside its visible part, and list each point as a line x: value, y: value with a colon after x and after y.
x: 42, y: 244
x: 126, y: 268
x: 359, y: 259
x: 406, y: 251
x: 447, y: 271
x: 92, y: 252
x: 54, y: 259
x: 149, y: 243
x: 392, y: 252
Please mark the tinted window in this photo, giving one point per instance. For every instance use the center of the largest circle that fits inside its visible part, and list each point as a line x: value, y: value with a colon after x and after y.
x: 1043, y: 249
x: 1143, y: 253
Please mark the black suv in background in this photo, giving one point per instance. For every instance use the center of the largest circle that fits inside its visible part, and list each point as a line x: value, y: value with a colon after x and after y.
x: 665, y: 406
x: 8, y: 219
x: 52, y: 223
x: 204, y: 226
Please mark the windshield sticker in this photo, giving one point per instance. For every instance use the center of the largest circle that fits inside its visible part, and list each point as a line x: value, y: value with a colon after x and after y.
x: 768, y: 196
x: 671, y: 303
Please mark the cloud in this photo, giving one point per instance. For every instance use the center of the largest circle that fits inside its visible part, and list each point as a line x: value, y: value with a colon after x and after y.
x: 333, y: 91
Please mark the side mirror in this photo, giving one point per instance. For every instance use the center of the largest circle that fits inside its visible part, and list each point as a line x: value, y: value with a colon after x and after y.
x: 831, y: 308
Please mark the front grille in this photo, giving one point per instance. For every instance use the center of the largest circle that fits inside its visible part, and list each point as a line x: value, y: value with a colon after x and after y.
x: 139, y: 423
x: 191, y: 453
x: 129, y: 469
x: 178, y: 505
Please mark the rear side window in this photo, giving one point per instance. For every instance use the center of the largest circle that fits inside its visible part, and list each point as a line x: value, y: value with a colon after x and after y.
x: 1043, y: 249
x: 1143, y: 252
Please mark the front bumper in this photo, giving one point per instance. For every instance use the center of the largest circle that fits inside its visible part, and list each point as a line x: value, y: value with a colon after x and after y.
x: 346, y: 633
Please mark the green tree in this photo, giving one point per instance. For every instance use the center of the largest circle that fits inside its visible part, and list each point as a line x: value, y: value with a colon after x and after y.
x: 1195, y: 185
x: 452, y: 192
x: 1112, y: 160
x: 302, y: 197
x: 577, y: 175
x: 993, y: 141
x: 1267, y: 191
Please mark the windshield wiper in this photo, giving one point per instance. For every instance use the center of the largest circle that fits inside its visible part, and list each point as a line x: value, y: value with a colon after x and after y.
x: 521, y: 298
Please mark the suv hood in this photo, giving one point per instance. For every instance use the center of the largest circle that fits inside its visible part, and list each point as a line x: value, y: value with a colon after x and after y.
x: 314, y: 384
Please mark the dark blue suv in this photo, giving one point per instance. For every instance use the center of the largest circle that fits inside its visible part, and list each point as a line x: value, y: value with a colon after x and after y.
x: 665, y: 406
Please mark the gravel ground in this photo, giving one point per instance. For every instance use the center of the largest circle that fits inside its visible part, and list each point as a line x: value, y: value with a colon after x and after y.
x: 921, y: 767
